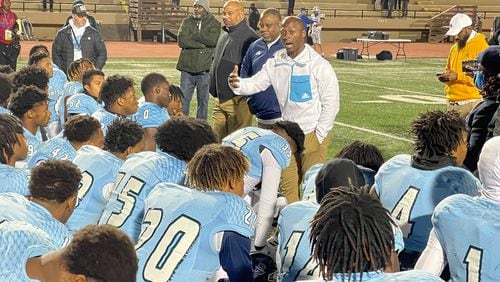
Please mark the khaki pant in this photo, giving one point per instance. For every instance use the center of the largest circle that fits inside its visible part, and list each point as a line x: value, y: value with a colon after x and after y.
x: 230, y: 116
x: 463, y: 110
x: 314, y: 153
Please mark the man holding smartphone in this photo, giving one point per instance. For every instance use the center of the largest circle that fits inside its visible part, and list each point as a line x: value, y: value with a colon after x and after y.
x: 460, y: 91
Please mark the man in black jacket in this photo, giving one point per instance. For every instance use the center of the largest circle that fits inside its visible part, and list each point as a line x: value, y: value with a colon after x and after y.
x: 230, y: 112
x: 77, y: 40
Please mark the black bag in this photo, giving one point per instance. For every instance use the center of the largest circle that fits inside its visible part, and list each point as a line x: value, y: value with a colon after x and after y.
x: 384, y: 55
x: 340, y: 54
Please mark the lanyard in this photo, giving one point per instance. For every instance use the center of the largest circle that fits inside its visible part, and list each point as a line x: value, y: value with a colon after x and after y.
x: 78, y: 45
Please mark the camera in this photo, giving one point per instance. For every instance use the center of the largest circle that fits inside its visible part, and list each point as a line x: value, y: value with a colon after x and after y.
x: 470, y: 65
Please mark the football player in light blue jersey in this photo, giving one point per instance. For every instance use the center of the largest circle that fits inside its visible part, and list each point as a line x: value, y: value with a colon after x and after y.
x: 55, y: 90
x: 466, y: 229
x: 118, y: 96
x: 214, y: 221
x: 295, y: 219
x: 78, y: 131
x: 53, y: 194
x: 353, y: 223
x: 152, y: 112
x: 30, y: 105
x: 100, y: 168
x: 269, y: 153
x: 178, y: 140
x: 88, y: 101
x: 20, y: 241
x: 96, y: 253
x: 367, y: 157
x: 13, y: 144
x: 5, y: 92
x: 410, y: 187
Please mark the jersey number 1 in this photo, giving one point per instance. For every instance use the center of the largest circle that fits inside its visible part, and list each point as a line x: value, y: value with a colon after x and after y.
x: 473, y: 260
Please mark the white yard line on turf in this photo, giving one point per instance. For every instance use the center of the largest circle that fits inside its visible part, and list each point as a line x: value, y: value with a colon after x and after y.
x: 393, y: 89
x: 373, y: 132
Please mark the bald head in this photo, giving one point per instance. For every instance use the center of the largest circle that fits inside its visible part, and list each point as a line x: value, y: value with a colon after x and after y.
x: 294, y: 21
x: 293, y: 36
x: 233, y: 13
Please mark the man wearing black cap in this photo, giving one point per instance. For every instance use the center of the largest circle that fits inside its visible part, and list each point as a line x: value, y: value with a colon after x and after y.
x: 91, y: 19
x: 78, y: 40
x: 197, y: 37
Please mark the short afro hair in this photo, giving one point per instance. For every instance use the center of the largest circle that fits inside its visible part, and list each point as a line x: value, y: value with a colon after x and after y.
x: 5, y: 88
x: 114, y: 87
x: 121, y: 134
x: 54, y: 181
x: 25, y: 99
x: 182, y: 137
x: 150, y: 81
x: 101, y: 252
x: 37, y: 57
x: 6, y: 69
x: 31, y: 75
x: 81, y: 128
x: 88, y: 74
x: 39, y: 48
x: 363, y: 154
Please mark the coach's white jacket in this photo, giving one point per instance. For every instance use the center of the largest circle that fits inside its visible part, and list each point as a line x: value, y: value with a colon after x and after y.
x: 313, y: 109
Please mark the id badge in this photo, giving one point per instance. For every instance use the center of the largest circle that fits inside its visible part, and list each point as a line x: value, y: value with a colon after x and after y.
x: 77, y: 54
x: 8, y: 35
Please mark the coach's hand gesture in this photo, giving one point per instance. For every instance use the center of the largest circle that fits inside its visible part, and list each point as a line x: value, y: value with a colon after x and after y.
x: 234, y: 79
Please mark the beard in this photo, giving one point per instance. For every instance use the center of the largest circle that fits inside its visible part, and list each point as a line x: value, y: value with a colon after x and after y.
x: 463, y: 41
x: 197, y: 16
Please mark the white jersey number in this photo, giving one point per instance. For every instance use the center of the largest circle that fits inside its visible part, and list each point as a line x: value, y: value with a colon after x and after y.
x: 172, y: 247
x: 473, y: 260
x: 127, y: 197
x: 402, y: 210
x: 308, y: 271
x: 85, y: 184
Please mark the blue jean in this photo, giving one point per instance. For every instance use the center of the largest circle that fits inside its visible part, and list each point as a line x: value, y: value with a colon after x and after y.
x: 188, y: 83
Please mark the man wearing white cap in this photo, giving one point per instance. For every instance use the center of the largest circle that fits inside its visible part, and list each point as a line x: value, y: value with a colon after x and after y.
x: 460, y: 91
x: 466, y: 229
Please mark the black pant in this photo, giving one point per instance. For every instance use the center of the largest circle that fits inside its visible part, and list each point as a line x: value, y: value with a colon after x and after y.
x: 291, y: 7
x: 51, y: 5
x: 9, y: 54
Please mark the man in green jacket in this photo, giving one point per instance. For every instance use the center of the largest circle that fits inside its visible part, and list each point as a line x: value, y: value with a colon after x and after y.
x: 197, y: 37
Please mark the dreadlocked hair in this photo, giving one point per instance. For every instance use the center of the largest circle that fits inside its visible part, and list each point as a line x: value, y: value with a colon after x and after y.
x: 176, y: 92
x: 9, y: 126
x: 437, y: 133
x: 214, y: 165
x: 351, y: 233
x: 78, y: 67
x: 491, y: 86
x: 363, y: 154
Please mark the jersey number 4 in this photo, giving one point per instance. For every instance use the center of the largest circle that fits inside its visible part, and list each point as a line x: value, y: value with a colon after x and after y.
x: 402, y: 210
x: 172, y: 247
x: 473, y: 259
x: 308, y: 270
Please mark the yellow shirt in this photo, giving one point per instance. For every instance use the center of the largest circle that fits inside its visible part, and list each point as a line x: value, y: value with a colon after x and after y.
x: 463, y: 88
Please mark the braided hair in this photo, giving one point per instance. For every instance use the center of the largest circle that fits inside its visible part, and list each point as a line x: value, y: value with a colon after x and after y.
x: 78, y: 67
x: 351, y: 233
x: 10, y: 126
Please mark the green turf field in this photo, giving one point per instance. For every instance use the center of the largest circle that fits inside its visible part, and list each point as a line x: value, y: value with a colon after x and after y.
x: 378, y: 99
